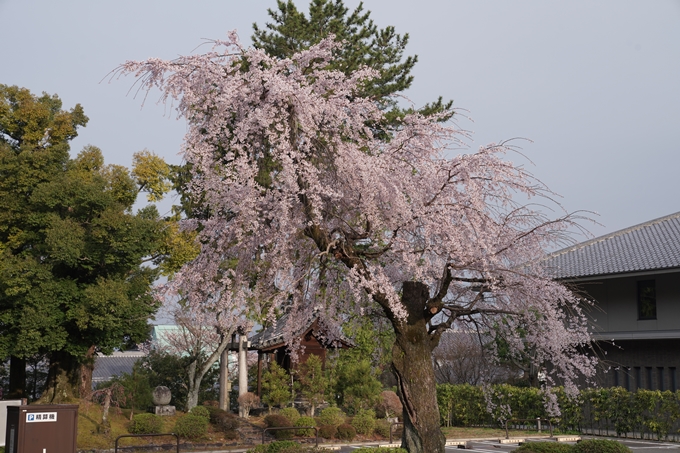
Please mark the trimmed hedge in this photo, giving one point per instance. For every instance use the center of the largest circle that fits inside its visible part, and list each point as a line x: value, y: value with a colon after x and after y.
x: 646, y: 413
x: 286, y: 446
x: 224, y: 421
x: 332, y: 416
x: 328, y: 431
x: 600, y: 446
x: 276, y: 447
x: 145, y: 424
x: 364, y: 422
x: 201, y: 411
x: 305, y: 421
x: 544, y: 447
x: 191, y: 426
x: 346, y: 432
x: 382, y: 428
x: 379, y: 450
x: 279, y: 421
x: 291, y: 414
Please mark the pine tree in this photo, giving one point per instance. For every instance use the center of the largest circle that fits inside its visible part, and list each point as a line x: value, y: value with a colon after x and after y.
x: 276, y: 387
x: 365, y: 44
x: 313, y: 382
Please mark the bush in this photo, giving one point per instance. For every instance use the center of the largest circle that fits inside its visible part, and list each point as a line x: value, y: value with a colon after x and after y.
x: 279, y: 421
x: 389, y: 405
x: 328, y: 431
x: 332, y: 416
x: 145, y: 424
x: 305, y: 421
x: 600, y: 446
x: 247, y: 401
x: 224, y: 421
x: 379, y: 450
x: 544, y: 447
x: 346, y: 432
x: 291, y: 414
x: 200, y: 411
x: 277, y: 447
x: 286, y: 446
x: 382, y: 428
x: 191, y: 426
x: 364, y: 421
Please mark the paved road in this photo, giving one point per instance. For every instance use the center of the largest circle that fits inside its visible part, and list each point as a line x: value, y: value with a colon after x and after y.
x: 489, y: 446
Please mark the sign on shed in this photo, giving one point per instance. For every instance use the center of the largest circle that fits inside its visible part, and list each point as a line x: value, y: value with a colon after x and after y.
x: 42, y: 428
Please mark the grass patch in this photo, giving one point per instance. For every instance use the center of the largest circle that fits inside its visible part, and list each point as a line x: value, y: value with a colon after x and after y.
x: 92, y: 435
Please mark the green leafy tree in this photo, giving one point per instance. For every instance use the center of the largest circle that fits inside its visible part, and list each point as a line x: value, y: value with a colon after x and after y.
x: 73, y: 279
x: 276, y: 387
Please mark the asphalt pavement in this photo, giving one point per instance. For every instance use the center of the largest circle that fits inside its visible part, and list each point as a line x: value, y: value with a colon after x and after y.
x: 493, y: 446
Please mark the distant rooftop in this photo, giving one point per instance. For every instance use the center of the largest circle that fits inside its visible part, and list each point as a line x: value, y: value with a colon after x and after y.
x: 106, y: 367
x: 653, y: 245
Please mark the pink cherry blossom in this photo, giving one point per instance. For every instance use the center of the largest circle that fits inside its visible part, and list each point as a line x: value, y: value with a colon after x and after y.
x: 310, y: 213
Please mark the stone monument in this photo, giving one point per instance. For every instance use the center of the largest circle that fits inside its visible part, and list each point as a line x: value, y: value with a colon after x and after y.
x: 161, y: 398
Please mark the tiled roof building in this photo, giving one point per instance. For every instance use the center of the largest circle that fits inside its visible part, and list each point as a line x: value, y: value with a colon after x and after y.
x: 650, y: 246
x: 633, y: 277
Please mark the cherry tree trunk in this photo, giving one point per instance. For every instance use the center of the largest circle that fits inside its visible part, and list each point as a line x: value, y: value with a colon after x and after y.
x: 412, y: 365
x: 195, y: 378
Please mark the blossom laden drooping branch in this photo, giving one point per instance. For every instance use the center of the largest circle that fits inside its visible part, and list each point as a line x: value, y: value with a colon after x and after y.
x: 308, y: 212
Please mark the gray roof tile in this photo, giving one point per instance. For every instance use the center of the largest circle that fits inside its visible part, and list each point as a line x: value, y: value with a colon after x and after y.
x: 274, y: 334
x: 652, y: 245
x: 106, y: 367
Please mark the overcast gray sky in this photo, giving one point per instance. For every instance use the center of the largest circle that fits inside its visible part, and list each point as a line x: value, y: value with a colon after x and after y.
x: 594, y: 84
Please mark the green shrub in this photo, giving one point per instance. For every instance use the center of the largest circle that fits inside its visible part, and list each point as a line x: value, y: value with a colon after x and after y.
x: 305, y: 421
x: 544, y: 447
x: 191, y: 426
x: 332, y: 416
x: 145, y: 424
x: 291, y: 414
x: 286, y: 446
x: 224, y: 421
x: 328, y: 431
x: 364, y: 421
x: 346, y: 432
x: 379, y: 450
x: 600, y: 446
x: 382, y: 428
x: 201, y: 411
x: 279, y: 421
x: 277, y: 447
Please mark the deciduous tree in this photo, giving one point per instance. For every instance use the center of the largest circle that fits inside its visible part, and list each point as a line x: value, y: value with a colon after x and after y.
x: 201, y: 337
x: 347, y: 220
